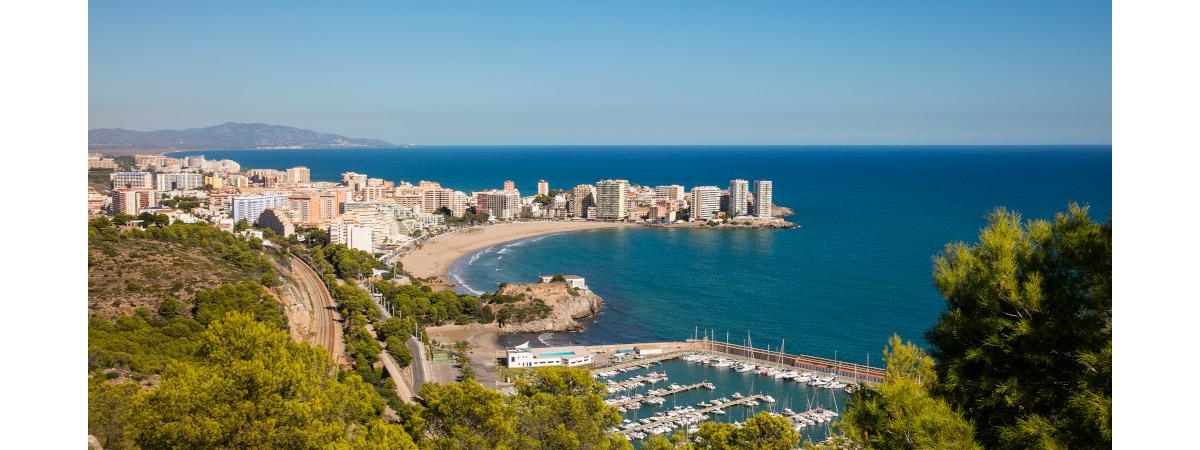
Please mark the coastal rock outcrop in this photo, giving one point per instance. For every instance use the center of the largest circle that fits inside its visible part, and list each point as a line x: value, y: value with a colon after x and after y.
x: 542, y: 307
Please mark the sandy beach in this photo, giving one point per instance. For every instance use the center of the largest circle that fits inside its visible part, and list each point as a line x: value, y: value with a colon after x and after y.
x: 437, y: 255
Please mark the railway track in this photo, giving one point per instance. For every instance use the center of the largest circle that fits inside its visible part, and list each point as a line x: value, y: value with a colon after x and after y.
x: 329, y: 330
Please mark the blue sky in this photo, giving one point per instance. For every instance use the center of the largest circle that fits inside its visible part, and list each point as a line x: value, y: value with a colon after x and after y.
x: 612, y: 72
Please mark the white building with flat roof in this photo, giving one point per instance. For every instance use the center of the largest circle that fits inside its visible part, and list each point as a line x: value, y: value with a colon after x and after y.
x: 706, y: 201
x: 180, y: 181
x: 131, y: 180
x: 249, y: 207
x: 524, y: 356
x: 574, y: 281
x: 361, y: 238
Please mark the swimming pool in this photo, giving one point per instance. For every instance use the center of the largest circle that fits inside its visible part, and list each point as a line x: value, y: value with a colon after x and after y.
x: 557, y: 354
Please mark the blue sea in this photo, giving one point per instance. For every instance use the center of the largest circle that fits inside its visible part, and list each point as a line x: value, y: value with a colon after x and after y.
x: 857, y: 270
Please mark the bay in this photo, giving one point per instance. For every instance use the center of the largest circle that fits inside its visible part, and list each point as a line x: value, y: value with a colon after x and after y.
x: 857, y: 270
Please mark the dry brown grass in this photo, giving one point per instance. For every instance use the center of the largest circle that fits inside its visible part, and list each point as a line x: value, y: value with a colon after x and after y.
x: 130, y: 273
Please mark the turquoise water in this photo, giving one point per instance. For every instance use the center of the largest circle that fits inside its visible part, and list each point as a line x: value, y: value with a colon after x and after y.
x: 856, y: 271
x: 556, y: 354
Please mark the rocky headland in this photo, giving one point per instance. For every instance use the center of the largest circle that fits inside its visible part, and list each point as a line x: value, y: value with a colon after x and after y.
x: 541, y: 307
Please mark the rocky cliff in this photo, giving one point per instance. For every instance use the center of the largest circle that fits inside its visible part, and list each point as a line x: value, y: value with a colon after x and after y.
x: 562, y: 306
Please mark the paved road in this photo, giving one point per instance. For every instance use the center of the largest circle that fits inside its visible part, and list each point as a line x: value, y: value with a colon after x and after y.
x: 420, y: 367
x: 393, y: 369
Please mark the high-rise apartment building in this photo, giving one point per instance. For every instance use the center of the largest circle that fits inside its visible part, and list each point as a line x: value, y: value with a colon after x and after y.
x: 582, y: 198
x: 543, y: 188
x: 249, y: 207
x: 509, y: 185
x: 458, y: 203
x: 299, y: 174
x: 739, y: 198
x: 762, y: 198
x: 673, y: 192
x: 612, y: 199
x: 502, y: 205
x: 436, y: 198
x: 178, y: 181
x: 131, y: 180
x: 132, y: 200
x: 706, y: 201
x: 307, y: 208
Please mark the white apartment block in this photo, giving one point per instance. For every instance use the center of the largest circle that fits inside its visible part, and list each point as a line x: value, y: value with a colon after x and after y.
x: 181, y: 181
x: 360, y: 237
x: 762, y: 198
x: 249, y: 207
x: 706, y: 201
x: 132, y: 180
x: 612, y: 199
x: 739, y: 198
x: 458, y: 203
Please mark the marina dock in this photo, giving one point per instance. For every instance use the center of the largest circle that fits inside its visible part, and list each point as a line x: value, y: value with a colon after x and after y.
x: 701, y: 411
x: 658, y: 394
x: 844, y: 370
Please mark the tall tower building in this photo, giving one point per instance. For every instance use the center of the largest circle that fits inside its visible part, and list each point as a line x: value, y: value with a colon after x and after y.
x: 739, y: 198
x: 612, y: 199
x: 762, y: 198
x: 509, y: 185
x: 582, y: 198
x: 706, y: 201
x: 299, y: 174
x: 543, y: 187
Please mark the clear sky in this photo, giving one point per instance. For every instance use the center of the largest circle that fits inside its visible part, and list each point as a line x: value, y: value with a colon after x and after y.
x: 612, y: 72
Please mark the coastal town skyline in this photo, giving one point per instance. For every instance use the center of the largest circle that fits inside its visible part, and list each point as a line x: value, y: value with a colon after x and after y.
x: 622, y: 225
x: 378, y: 215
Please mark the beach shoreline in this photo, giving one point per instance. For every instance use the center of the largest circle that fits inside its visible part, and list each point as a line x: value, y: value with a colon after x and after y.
x: 435, y: 257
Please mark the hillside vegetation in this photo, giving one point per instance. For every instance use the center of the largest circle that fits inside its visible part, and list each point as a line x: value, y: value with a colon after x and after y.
x: 139, y: 268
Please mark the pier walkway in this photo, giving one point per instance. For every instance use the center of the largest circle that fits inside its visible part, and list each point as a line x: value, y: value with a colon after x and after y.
x: 648, y: 360
x: 661, y: 393
x: 705, y: 410
x: 844, y: 370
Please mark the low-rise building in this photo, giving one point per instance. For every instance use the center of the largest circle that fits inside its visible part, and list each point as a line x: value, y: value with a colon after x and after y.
x: 98, y: 162
x: 574, y: 281
x: 524, y: 356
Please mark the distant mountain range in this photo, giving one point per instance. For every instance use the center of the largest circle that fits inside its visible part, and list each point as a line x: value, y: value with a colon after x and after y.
x: 228, y: 135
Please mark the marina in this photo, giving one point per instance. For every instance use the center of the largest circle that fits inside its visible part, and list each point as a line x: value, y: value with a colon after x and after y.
x: 724, y: 394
